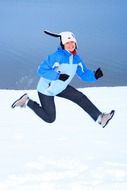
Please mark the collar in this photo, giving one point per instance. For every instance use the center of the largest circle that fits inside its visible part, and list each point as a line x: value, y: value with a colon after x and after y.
x: 74, y: 52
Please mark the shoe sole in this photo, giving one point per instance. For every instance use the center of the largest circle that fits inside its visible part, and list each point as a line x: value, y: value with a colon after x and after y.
x: 14, y: 104
x: 112, y: 113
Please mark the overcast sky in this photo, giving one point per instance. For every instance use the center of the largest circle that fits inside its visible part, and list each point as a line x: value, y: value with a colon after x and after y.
x: 99, y: 26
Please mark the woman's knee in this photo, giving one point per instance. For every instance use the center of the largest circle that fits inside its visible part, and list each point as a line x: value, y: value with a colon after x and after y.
x: 49, y: 118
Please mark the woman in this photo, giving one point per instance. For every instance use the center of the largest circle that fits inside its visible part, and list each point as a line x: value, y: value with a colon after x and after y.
x: 56, y: 73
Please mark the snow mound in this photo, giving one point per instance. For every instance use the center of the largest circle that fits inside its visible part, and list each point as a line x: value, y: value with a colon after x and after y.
x: 73, y: 153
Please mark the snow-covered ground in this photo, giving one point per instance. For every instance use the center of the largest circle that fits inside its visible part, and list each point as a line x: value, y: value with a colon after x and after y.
x: 73, y: 153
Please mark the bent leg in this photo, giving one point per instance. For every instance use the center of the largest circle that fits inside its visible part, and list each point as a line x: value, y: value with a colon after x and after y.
x: 46, y: 110
x: 79, y: 98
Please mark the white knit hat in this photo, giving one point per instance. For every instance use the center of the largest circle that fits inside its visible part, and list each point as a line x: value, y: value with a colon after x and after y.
x: 64, y: 36
x: 67, y: 37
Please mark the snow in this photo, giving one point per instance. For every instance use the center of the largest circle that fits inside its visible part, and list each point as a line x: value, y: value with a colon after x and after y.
x: 73, y: 153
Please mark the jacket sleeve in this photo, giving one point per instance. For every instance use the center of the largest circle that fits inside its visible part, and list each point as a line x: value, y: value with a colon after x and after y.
x: 84, y: 73
x: 46, y: 69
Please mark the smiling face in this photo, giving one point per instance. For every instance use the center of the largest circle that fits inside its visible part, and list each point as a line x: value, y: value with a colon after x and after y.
x: 70, y: 46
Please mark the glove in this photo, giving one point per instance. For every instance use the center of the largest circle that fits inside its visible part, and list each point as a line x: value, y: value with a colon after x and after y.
x: 63, y: 77
x: 98, y: 73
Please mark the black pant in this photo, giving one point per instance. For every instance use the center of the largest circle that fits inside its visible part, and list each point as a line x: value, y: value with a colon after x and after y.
x: 47, y: 109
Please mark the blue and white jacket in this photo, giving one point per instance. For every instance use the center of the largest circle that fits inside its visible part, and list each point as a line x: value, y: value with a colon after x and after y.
x: 61, y: 62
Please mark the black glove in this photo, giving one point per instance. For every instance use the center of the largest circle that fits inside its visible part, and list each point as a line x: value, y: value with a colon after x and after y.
x: 98, y: 73
x: 63, y: 77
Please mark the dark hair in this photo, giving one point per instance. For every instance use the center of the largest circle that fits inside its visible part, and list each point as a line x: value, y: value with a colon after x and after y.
x: 62, y: 46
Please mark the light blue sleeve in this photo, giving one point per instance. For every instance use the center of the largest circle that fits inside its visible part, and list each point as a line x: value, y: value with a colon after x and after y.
x: 46, y: 69
x: 84, y: 73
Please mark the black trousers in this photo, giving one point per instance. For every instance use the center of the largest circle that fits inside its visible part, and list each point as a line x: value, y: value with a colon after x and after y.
x: 46, y: 110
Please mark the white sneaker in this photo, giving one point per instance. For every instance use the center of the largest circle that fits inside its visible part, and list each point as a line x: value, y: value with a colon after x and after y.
x: 21, y: 102
x: 104, y: 118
